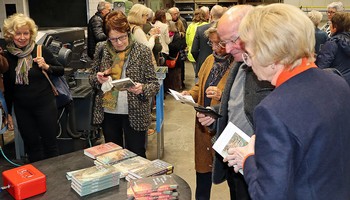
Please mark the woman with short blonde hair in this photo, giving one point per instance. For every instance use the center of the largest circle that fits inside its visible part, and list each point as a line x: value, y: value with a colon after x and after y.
x: 302, y: 127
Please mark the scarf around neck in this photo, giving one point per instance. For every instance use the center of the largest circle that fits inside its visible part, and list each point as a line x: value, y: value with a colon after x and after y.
x: 221, y: 64
x: 25, y: 61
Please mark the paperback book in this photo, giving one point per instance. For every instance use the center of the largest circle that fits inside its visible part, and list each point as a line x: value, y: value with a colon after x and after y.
x: 123, y: 84
x: 154, y: 168
x: 115, y: 156
x: 231, y: 137
x: 98, y: 150
x: 130, y: 164
x: 94, y: 174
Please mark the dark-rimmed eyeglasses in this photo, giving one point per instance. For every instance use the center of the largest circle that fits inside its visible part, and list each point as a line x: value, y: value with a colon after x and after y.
x: 120, y: 39
x: 223, y: 44
x: 247, y: 59
x: 213, y: 44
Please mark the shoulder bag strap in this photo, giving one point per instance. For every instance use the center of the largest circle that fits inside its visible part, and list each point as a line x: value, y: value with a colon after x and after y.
x: 39, y: 54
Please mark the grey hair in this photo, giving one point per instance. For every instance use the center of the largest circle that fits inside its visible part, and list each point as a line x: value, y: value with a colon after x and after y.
x: 211, y: 30
x: 216, y: 12
x: 337, y: 5
x: 102, y: 5
x: 315, y: 16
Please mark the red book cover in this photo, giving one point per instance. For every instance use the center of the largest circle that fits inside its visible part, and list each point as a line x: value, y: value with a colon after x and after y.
x: 98, y: 150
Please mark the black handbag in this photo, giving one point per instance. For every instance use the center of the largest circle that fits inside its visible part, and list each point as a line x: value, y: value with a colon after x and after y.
x: 59, y: 86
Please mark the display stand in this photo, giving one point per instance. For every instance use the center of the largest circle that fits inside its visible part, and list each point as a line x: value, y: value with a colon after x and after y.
x: 161, y: 74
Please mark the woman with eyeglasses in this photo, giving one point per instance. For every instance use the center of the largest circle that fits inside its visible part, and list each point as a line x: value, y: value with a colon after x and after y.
x: 207, y: 92
x: 301, y: 142
x: 332, y: 8
x: 125, y: 115
x: 335, y: 53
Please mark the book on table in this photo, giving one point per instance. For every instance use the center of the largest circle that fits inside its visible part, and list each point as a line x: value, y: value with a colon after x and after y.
x: 231, y: 137
x: 123, y: 84
x: 154, y: 187
x: 187, y: 99
x: 154, y: 168
x: 131, y: 163
x: 95, y: 151
x: 115, y: 156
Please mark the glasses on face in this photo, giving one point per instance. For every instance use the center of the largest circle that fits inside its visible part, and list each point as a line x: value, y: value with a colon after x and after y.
x: 223, y: 44
x: 330, y: 12
x: 120, y: 39
x: 213, y: 44
x: 21, y: 34
x: 247, y: 59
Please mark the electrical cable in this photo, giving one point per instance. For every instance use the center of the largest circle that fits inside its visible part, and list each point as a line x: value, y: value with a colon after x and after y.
x: 8, y: 160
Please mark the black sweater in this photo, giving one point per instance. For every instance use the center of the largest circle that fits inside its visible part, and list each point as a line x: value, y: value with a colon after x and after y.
x: 38, y: 91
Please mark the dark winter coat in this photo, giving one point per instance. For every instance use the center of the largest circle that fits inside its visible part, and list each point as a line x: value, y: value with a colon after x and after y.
x: 95, y: 33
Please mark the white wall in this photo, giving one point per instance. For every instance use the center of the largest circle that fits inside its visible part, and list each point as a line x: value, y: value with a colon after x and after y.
x: 316, y: 4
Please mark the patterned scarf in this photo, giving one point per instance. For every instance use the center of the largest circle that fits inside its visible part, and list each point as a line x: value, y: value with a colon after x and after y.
x: 221, y: 64
x: 25, y: 61
x: 118, y: 58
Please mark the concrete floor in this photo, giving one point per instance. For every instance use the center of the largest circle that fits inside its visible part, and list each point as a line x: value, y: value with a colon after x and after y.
x: 178, y: 141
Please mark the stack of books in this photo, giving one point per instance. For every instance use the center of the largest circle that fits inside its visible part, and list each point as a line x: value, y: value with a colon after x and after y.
x: 157, y: 187
x: 154, y: 168
x: 94, y: 179
x: 114, y: 157
x: 98, y: 150
x: 130, y: 164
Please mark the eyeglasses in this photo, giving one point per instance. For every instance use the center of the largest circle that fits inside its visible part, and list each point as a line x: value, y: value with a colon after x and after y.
x: 120, y: 39
x: 331, y: 12
x: 223, y: 44
x: 247, y: 59
x: 213, y: 44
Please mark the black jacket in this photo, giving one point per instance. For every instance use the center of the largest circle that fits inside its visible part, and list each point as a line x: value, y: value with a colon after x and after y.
x: 95, y: 33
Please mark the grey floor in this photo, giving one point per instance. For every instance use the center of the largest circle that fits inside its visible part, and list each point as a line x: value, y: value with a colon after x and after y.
x: 178, y: 130
x: 179, y: 140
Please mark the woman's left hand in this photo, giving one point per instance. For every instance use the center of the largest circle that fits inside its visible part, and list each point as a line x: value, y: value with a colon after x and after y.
x: 213, y: 92
x: 41, y: 63
x: 137, y: 89
x: 236, y: 156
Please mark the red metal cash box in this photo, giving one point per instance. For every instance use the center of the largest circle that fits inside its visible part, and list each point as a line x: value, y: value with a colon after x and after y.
x: 25, y: 181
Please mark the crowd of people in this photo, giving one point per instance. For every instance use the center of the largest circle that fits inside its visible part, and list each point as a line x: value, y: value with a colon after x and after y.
x: 261, y: 68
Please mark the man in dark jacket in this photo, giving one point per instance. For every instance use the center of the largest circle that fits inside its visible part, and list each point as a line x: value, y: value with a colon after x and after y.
x: 200, y: 48
x: 95, y: 27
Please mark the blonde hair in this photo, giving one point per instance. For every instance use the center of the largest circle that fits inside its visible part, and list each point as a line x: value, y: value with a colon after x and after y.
x: 278, y: 33
x: 17, y: 21
x: 135, y: 14
x: 315, y: 16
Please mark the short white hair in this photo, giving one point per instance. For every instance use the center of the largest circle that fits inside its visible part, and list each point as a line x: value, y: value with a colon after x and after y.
x: 337, y: 5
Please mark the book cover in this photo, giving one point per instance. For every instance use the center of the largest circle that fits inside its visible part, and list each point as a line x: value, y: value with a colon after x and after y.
x: 94, y: 174
x: 115, y: 156
x: 156, y: 167
x: 131, y: 163
x: 111, y: 181
x: 90, y: 191
x: 187, y: 99
x: 153, y: 184
x: 231, y: 137
x: 123, y: 84
x: 95, y: 151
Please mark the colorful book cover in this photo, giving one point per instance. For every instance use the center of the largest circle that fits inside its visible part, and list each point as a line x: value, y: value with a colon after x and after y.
x: 156, y: 167
x: 155, y: 185
x: 94, y: 174
x: 98, y: 150
x: 132, y: 163
x: 115, y: 156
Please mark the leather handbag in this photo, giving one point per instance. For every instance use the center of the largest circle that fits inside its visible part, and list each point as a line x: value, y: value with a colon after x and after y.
x: 58, y: 84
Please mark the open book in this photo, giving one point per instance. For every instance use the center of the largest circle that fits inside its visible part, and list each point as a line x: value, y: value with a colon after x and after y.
x: 187, y: 99
x: 123, y: 84
x: 231, y: 137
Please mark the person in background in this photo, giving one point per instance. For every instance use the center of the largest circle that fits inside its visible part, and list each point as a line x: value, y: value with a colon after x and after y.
x: 147, y: 28
x: 243, y: 91
x: 95, y: 27
x: 321, y: 36
x: 301, y: 142
x: 199, y: 19
x: 125, y: 115
x: 181, y: 26
x: 335, y: 53
x: 200, y: 48
x: 206, y: 11
x: 161, y: 22
x: 332, y: 8
x: 207, y: 92
x: 3, y: 62
x: 28, y: 90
